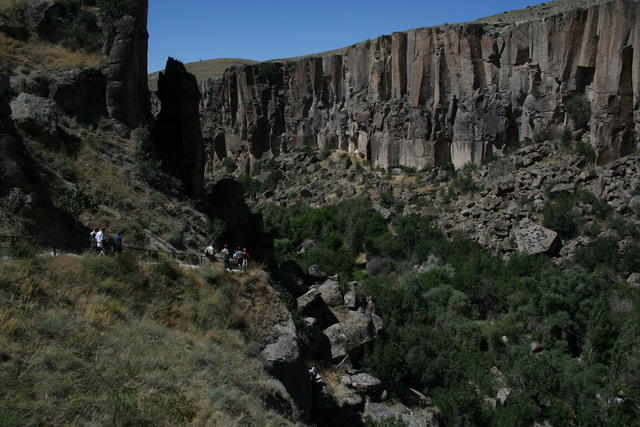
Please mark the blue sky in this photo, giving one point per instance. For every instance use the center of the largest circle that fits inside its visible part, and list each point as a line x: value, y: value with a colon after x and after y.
x: 192, y: 30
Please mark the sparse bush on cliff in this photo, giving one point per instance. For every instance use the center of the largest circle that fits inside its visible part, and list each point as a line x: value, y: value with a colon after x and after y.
x: 83, y: 33
x: 463, y: 181
x: 579, y: 109
x: 267, y: 71
x: 585, y: 150
x: 114, y: 9
x: 150, y: 170
x: 558, y: 216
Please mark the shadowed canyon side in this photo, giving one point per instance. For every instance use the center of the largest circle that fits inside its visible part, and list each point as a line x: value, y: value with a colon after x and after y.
x: 447, y: 94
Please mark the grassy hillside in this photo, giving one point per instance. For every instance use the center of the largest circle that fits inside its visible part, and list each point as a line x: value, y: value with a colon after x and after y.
x: 114, y: 341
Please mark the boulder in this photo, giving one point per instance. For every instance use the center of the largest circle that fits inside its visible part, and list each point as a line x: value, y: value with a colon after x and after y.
x: 354, y: 330
x: 503, y: 395
x: 35, y: 115
x: 563, y: 188
x: 634, y: 203
x: 285, y: 346
x: 365, y: 383
x: 307, y: 300
x: 503, y: 187
x: 351, y: 299
x: 330, y: 293
x: 305, y: 246
x: 537, y: 240
x: 346, y: 398
x: 634, y: 280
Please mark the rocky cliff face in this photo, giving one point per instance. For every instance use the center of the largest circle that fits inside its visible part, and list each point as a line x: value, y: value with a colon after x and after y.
x: 453, y: 93
x: 126, y: 70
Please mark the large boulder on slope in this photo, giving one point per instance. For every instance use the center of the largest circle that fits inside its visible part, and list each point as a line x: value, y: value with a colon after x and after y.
x: 537, y: 240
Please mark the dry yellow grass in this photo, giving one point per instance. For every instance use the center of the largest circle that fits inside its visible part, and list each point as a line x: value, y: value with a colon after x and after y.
x: 97, y: 332
x: 36, y: 54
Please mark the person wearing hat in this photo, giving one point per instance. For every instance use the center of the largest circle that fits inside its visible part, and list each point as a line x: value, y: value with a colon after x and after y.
x: 225, y: 255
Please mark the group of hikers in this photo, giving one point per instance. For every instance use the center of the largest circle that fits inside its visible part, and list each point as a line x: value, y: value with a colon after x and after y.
x: 104, y: 244
x: 237, y: 259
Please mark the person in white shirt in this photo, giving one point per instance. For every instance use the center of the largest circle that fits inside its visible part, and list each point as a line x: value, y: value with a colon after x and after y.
x: 100, y: 240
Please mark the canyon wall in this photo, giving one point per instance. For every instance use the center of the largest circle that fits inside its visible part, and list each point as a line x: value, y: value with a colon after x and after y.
x: 447, y: 94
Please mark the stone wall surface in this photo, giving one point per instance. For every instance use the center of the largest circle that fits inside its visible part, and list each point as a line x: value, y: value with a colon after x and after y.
x: 438, y: 95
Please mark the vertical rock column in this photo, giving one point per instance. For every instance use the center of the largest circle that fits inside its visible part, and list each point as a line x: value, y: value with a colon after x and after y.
x: 126, y: 71
x: 176, y: 134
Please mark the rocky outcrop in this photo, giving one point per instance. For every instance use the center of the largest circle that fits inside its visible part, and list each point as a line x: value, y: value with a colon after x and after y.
x: 35, y: 115
x: 126, y: 41
x: 447, y: 94
x: 176, y: 133
x: 81, y: 93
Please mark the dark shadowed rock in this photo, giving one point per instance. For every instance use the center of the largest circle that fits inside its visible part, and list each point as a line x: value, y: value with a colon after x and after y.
x: 242, y: 228
x: 81, y: 93
x: 307, y: 300
x: 13, y: 28
x: 290, y: 276
x: 176, y: 134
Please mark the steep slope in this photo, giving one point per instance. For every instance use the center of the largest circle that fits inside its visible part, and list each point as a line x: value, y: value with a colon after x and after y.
x: 440, y: 95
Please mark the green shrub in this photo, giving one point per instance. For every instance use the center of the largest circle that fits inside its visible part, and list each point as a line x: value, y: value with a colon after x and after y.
x: 83, y: 33
x: 150, y: 170
x: 23, y: 248
x: 211, y: 274
x: 585, y: 150
x: 228, y: 164
x: 600, y: 252
x: 463, y: 181
x: 74, y: 200
x: 267, y: 71
x: 579, y: 109
x: 114, y: 9
x: 167, y: 268
x: 566, y: 138
x: 215, y: 228
x: 557, y: 216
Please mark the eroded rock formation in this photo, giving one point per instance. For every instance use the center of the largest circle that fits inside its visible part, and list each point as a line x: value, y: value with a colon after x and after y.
x: 176, y: 133
x: 452, y: 93
x: 126, y: 71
